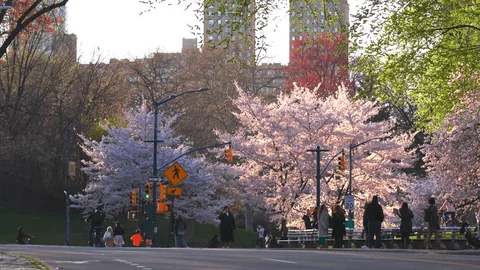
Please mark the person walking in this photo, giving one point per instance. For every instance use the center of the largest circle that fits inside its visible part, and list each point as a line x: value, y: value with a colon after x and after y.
x: 227, y: 226
x: 180, y: 229
x: 338, y: 225
x: 306, y: 220
x: 323, y: 223
x: 375, y: 218
x: 118, y: 233
x: 431, y: 216
x: 261, y: 235
x: 406, y: 216
x: 108, y: 237
x: 137, y: 238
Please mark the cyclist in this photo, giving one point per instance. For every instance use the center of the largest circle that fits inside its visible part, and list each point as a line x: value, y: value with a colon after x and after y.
x: 95, y: 224
x: 448, y: 210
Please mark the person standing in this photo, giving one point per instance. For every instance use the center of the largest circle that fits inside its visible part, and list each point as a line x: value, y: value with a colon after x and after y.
x: 365, y: 225
x: 118, y: 233
x: 406, y: 216
x: 306, y: 220
x: 478, y: 220
x: 375, y: 218
x: 137, y: 238
x: 338, y: 225
x: 431, y: 216
x: 180, y: 229
x: 261, y: 234
x: 323, y: 223
x: 108, y: 237
x: 227, y: 226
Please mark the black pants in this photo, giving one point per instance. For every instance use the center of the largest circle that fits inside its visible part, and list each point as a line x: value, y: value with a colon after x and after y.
x: 338, y: 242
x: 405, y: 241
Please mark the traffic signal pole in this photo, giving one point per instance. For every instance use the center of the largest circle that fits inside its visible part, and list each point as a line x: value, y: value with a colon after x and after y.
x: 319, y: 174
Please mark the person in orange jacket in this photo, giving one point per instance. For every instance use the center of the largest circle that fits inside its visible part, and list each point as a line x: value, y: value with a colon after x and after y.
x: 137, y: 238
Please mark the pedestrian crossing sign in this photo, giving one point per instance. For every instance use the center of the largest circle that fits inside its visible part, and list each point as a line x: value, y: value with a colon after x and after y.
x: 175, y: 174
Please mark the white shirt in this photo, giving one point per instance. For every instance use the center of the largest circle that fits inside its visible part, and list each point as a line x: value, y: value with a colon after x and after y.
x: 447, y: 207
x: 260, y: 231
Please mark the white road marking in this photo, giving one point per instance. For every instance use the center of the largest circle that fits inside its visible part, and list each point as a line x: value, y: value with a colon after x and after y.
x: 77, y: 262
x: 279, y: 261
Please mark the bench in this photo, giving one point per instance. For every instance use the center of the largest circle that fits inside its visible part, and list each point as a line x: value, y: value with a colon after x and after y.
x: 450, y: 238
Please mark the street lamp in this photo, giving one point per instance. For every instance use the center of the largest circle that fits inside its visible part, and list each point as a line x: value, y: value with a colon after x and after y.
x: 155, y: 144
x: 353, y: 146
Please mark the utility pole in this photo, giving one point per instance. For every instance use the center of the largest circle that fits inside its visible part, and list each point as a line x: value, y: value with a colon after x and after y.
x: 319, y: 174
x: 67, y: 189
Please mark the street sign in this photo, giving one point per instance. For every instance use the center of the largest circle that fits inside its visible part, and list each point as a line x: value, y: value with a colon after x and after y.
x: 174, y: 191
x: 349, y: 202
x: 153, y: 179
x: 175, y: 174
x: 72, y: 168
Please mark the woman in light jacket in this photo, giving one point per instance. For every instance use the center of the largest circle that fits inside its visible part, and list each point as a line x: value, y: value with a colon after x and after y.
x: 323, y: 222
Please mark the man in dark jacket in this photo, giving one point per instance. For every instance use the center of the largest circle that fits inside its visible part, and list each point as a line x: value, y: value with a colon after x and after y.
x: 374, y: 215
x: 431, y: 216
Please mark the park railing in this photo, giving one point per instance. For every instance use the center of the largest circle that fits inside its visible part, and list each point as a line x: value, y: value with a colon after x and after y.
x: 450, y: 238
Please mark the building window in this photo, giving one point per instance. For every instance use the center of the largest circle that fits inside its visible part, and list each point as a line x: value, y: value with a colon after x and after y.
x: 210, y: 37
x: 293, y: 38
x: 336, y: 29
x: 219, y: 13
x: 293, y: 30
x: 233, y: 38
x: 300, y: 37
x: 219, y: 21
x: 210, y: 22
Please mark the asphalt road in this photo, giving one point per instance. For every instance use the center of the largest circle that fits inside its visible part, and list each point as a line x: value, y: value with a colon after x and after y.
x: 278, y: 259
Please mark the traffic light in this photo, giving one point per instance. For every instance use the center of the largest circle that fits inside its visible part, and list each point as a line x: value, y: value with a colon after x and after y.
x: 148, y: 189
x: 162, y: 192
x: 133, y: 198
x: 229, y: 155
x: 341, y: 162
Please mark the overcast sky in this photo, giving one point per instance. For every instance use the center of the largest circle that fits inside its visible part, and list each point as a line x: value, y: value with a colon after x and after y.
x: 117, y: 29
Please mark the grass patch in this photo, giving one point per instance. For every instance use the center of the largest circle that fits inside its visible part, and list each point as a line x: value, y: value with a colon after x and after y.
x: 50, y: 230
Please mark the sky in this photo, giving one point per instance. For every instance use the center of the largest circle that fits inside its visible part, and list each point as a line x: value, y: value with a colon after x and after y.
x: 118, y: 29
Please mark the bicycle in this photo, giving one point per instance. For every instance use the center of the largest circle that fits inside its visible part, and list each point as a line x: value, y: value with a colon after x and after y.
x: 448, y: 222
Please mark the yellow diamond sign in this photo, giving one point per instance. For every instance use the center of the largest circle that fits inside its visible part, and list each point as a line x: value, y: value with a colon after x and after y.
x: 175, y: 174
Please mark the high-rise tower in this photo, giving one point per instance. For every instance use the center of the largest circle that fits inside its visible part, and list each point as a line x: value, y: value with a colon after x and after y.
x: 323, y: 16
x: 231, y: 28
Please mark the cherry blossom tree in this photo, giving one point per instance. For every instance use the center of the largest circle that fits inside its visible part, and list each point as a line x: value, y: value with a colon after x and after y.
x: 122, y: 161
x: 279, y: 173
x: 453, y: 157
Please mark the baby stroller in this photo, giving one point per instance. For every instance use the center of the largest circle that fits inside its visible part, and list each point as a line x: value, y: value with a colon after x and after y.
x: 214, y: 242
